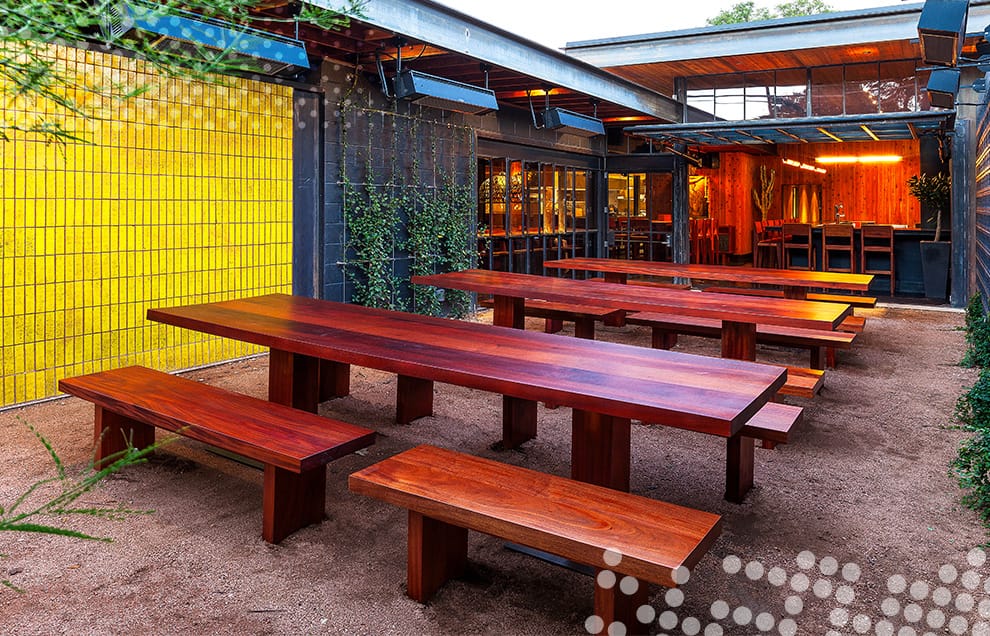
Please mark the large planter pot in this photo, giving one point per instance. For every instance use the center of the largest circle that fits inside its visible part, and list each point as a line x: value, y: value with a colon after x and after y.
x: 935, y: 268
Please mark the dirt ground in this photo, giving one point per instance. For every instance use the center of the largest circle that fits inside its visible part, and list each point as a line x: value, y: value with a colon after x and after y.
x: 855, y: 526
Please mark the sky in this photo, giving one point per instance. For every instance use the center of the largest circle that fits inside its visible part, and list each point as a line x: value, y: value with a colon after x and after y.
x: 555, y: 22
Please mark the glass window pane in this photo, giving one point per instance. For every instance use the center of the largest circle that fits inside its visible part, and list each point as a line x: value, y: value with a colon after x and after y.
x: 791, y: 99
x: 861, y: 88
x: 515, y: 198
x: 759, y: 95
x: 897, y: 89
x: 826, y: 91
x: 532, y: 197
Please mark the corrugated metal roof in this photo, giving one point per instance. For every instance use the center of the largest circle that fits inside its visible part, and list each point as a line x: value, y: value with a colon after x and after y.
x: 837, y: 129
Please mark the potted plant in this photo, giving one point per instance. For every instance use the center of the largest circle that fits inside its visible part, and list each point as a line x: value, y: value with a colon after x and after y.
x: 935, y: 193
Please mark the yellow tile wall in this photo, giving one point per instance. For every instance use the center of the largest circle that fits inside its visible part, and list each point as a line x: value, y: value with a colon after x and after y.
x: 183, y: 196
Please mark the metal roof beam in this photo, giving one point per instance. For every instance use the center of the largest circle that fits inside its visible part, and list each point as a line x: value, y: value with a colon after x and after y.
x: 840, y: 28
x: 456, y: 32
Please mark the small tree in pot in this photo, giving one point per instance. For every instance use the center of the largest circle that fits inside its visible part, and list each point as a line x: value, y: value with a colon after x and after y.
x: 934, y: 192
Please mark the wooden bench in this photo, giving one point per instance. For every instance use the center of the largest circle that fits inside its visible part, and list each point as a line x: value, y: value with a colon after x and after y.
x: 856, y: 301
x: 555, y: 314
x: 293, y: 445
x: 620, y: 320
x: 449, y: 493
x: 666, y: 328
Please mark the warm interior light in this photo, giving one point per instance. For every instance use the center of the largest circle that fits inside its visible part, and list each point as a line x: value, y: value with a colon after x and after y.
x: 860, y: 159
x: 803, y: 166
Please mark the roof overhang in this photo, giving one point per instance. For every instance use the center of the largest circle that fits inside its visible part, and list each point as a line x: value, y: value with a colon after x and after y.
x: 838, y: 129
x: 447, y: 43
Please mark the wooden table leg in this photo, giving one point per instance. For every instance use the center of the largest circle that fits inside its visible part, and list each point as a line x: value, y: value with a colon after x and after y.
x: 518, y: 421
x: 294, y: 380
x: 616, y: 277
x: 739, y: 340
x: 739, y: 462
x: 413, y: 399
x: 335, y: 380
x: 509, y: 312
x: 795, y: 292
x: 600, y: 449
x: 662, y: 338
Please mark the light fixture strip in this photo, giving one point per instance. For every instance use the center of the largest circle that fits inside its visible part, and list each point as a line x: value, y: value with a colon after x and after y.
x: 839, y: 159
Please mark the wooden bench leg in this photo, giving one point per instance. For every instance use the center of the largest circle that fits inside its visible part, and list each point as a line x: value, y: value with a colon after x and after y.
x: 612, y: 605
x: 291, y: 501
x: 584, y: 328
x: 600, y: 449
x: 294, y: 380
x: 112, y: 434
x: 739, y: 464
x: 552, y: 325
x: 335, y: 380
x: 663, y: 339
x: 437, y: 552
x: 518, y: 421
x: 830, y: 357
x: 616, y: 320
x: 413, y: 399
x: 818, y: 357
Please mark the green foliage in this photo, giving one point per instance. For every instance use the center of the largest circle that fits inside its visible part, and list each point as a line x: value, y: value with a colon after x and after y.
x: 57, y: 496
x: 977, y: 335
x: 748, y: 11
x: 972, y: 465
x: 934, y: 191
x: 371, y: 211
x: 400, y: 215
x: 27, y: 68
x: 440, y: 240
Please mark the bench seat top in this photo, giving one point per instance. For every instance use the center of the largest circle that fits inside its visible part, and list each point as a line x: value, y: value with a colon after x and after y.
x: 774, y: 422
x: 264, y: 431
x: 772, y: 334
x: 548, y: 309
x: 856, y: 301
x: 574, y: 520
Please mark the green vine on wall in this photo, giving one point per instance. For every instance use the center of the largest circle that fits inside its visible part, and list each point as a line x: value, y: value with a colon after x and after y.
x: 441, y: 237
x: 371, y: 211
x: 396, y: 216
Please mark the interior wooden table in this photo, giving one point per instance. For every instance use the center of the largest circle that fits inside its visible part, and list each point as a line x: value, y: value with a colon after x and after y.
x: 795, y: 283
x: 314, y: 342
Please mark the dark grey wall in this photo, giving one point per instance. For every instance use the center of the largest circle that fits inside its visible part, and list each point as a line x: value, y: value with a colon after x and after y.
x: 358, y: 121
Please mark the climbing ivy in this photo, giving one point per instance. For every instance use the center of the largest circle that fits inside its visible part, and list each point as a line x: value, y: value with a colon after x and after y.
x: 371, y: 211
x: 395, y: 214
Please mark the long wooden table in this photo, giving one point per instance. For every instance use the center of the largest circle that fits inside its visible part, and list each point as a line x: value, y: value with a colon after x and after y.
x: 313, y: 342
x: 739, y: 314
x: 795, y: 283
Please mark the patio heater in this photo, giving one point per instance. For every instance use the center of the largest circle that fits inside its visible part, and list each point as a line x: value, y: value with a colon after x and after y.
x: 942, y: 31
x: 196, y: 37
x: 943, y: 85
x: 571, y: 122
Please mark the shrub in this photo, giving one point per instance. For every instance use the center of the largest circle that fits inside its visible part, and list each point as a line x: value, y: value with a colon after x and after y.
x: 972, y: 465
x: 977, y: 334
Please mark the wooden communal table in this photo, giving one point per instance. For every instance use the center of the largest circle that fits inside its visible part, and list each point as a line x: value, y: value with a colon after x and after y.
x: 313, y: 342
x: 795, y: 283
x: 739, y: 314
